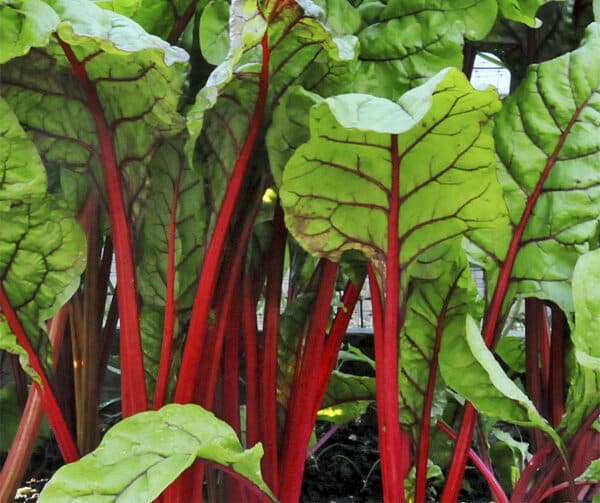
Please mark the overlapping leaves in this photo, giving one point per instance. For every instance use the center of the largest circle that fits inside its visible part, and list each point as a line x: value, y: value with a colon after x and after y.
x: 41, y: 245
x: 436, y: 310
x: 343, y: 174
x: 547, y: 142
x: 403, y: 43
x: 136, y: 77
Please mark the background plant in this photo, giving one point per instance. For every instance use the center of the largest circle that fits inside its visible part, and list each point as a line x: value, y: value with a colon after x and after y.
x: 203, y: 147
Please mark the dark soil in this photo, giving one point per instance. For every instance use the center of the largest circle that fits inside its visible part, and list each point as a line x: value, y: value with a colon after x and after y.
x: 346, y: 467
x: 45, y: 460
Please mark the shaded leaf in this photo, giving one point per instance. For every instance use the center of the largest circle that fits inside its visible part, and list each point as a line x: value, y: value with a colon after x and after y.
x: 289, y: 128
x: 469, y: 367
x: 136, y: 77
x: 140, y: 456
x: 436, y: 308
x: 343, y: 388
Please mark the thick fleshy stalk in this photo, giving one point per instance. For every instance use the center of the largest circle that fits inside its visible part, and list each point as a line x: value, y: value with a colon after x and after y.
x: 133, y: 384
x: 300, y: 418
x: 192, y: 351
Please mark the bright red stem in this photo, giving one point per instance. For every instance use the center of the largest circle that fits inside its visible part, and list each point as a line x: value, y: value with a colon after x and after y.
x: 556, y: 403
x: 492, y: 318
x: 211, y: 359
x: 495, y: 487
x: 19, y: 454
x: 234, y: 490
x: 300, y: 418
x: 250, y: 334
x: 268, y: 360
x: 393, y: 445
x: 133, y: 385
x: 66, y: 443
x: 181, y: 22
x: 334, y: 340
x: 162, y: 378
x: 423, y: 449
x: 534, y: 320
x: 210, y: 267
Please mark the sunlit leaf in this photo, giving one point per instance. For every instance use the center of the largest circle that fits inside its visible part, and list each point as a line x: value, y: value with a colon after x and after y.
x: 140, y: 456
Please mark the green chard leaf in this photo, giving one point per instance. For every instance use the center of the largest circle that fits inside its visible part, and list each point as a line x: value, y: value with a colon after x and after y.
x: 42, y: 254
x: 583, y: 397
x: 22, y: 174
x: 136, y: 78
x: 469, y: 367
x: 24, y: 24
x: 346, y: 398
x: 343, y: 174
x: 591, y: 473
x: 156, y: 16
x: 224, y: 114
x: 140, y: 456
x: 559, y: 29
x: 289, y: 128
x: 174, y: 187
x: 547, y: 144
x: 522, y: 11
x: 403, y: 43
x: 436, y: 309
x: 587, y: 310
x: 42, y: 248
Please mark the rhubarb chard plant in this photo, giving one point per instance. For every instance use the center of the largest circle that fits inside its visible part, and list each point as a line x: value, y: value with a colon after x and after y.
x: 171, y: 169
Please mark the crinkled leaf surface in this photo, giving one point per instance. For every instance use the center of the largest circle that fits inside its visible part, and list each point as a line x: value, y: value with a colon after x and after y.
x: 228, y: 111
x: 41, y: 245
x: 342, y: 176
x: 172, y: 182
x: 22, y: 174
x: 42, y: 254
x: 547, y: 142
x: 403, y: 43
x: 136, y: 76
x: 174, y: 186
x: 141, y: 455
x: 24, y: 24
